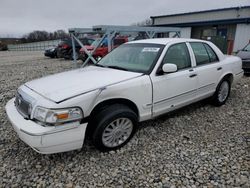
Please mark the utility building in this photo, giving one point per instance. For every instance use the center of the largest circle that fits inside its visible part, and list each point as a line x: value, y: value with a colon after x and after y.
x: 228, y: 28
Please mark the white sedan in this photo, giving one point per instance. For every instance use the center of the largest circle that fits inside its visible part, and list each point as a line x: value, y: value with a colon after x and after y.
x: 137, y: 81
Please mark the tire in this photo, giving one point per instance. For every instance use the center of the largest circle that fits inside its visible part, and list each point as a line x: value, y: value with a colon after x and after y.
x: 222, y: 92
x: 82, y: 58
x: 109, y: 133
x: 59, y: 54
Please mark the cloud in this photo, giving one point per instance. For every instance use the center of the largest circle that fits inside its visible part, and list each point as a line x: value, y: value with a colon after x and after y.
x: 19, y: 17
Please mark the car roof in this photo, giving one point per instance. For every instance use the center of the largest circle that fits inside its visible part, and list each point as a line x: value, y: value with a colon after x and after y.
x: 165, y: 41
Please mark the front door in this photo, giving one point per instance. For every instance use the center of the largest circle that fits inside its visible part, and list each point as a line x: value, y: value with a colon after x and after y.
x: 173, y: 90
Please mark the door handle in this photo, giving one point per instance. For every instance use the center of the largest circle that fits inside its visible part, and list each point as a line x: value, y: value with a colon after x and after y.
x: 192, y: 75
x: 219, y: 68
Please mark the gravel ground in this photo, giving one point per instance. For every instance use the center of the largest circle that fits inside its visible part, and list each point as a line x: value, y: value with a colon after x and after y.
x: 197, y: 146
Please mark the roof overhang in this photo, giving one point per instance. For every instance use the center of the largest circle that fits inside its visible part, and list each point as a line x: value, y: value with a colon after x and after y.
x: 207, y: 23
x: 209, y: 17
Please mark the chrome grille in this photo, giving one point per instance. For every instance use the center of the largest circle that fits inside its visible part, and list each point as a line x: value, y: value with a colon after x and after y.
x: 22, y: 106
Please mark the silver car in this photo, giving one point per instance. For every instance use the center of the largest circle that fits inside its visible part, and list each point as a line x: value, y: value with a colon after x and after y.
x: 244, y: 54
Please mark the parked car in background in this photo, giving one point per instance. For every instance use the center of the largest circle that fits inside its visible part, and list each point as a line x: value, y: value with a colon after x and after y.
x: 137, y: 81
x: 65, y: 50
x: 244, y: 54
x: 51, y: 52
x: 3, y: 47
x: 102, y: 49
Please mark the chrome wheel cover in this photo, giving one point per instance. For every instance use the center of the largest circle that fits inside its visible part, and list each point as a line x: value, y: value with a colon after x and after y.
x: 117, y: 132
x: 223, y: 91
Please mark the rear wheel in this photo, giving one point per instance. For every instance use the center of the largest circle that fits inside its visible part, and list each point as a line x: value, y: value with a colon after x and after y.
x: 222, y: 93
x: 114, y: 127
x: 59, y: 54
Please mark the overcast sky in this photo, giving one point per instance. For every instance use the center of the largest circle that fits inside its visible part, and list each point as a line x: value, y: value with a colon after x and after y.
x: 18, y: 17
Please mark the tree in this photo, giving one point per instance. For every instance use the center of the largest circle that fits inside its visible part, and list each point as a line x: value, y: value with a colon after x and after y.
x: 36, y: 36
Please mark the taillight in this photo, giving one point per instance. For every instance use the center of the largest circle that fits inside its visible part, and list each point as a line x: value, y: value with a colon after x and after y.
x: 81, y: 51
x: 65, y: 46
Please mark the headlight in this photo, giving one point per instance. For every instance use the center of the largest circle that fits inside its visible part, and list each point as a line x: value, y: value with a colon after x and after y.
x: 55, y: 116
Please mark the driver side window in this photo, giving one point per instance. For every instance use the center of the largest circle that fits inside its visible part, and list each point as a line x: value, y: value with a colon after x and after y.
x: 178, y: 54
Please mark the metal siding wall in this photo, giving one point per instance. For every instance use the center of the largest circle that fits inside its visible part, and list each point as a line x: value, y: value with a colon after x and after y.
x: 207, y: 16
x: 186, y: 32
x: 242, y: 36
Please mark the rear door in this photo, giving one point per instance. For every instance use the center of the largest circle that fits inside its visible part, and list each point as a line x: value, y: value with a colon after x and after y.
x: 208, y: 68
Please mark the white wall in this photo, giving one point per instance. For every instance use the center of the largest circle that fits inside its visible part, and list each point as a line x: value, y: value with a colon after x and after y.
x: 242, y: 36
x: 227, y: 14
x: 186, y: 32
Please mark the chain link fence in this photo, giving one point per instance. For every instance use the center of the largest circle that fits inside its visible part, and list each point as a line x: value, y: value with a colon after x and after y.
x: 34, y: 46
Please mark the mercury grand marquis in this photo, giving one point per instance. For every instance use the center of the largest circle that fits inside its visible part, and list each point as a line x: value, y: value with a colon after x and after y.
x: 138, y: 81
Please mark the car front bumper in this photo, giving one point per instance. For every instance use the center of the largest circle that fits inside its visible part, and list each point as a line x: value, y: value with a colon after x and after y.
x: 46, y: 140
x: 48, y: 54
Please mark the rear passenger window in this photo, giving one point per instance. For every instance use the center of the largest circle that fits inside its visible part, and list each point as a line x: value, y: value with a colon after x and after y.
x: 178, y: 54
x: 200, y: 53
x: 212, y: 55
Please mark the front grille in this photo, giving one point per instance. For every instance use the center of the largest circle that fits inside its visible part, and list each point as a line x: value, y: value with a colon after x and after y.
x: 22, y: 106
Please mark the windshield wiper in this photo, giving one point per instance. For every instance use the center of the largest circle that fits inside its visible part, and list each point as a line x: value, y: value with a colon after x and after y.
x: 98, y: 65
x: 116, y: 67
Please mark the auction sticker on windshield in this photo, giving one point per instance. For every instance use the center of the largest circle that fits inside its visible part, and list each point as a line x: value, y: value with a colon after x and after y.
x: 150, y: 49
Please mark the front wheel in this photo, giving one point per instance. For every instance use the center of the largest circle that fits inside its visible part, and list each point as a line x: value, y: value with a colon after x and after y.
x: 222, y: 92
x: 115, y: 126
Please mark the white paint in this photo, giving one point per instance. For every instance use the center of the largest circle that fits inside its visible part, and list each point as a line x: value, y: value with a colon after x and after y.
x: 186, y: 32
x: 203, y: 16
x: 46, y: 140
x: 64, y: 85
x: 242, y: 36
x: 170, y: 91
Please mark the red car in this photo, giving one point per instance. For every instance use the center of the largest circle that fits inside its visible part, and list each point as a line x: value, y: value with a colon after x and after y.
x: 65, y: 50
x: 102, y: 50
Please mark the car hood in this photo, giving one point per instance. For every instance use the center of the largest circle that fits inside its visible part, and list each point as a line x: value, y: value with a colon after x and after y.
x: 244, y: 54
x: 62, y: 86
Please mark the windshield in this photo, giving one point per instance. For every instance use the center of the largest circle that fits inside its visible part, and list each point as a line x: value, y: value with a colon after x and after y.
x: 133, y: 57
x: 247, y: 48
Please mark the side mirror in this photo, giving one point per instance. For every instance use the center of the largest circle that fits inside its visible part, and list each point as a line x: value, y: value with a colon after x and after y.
x: 169, y: 68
